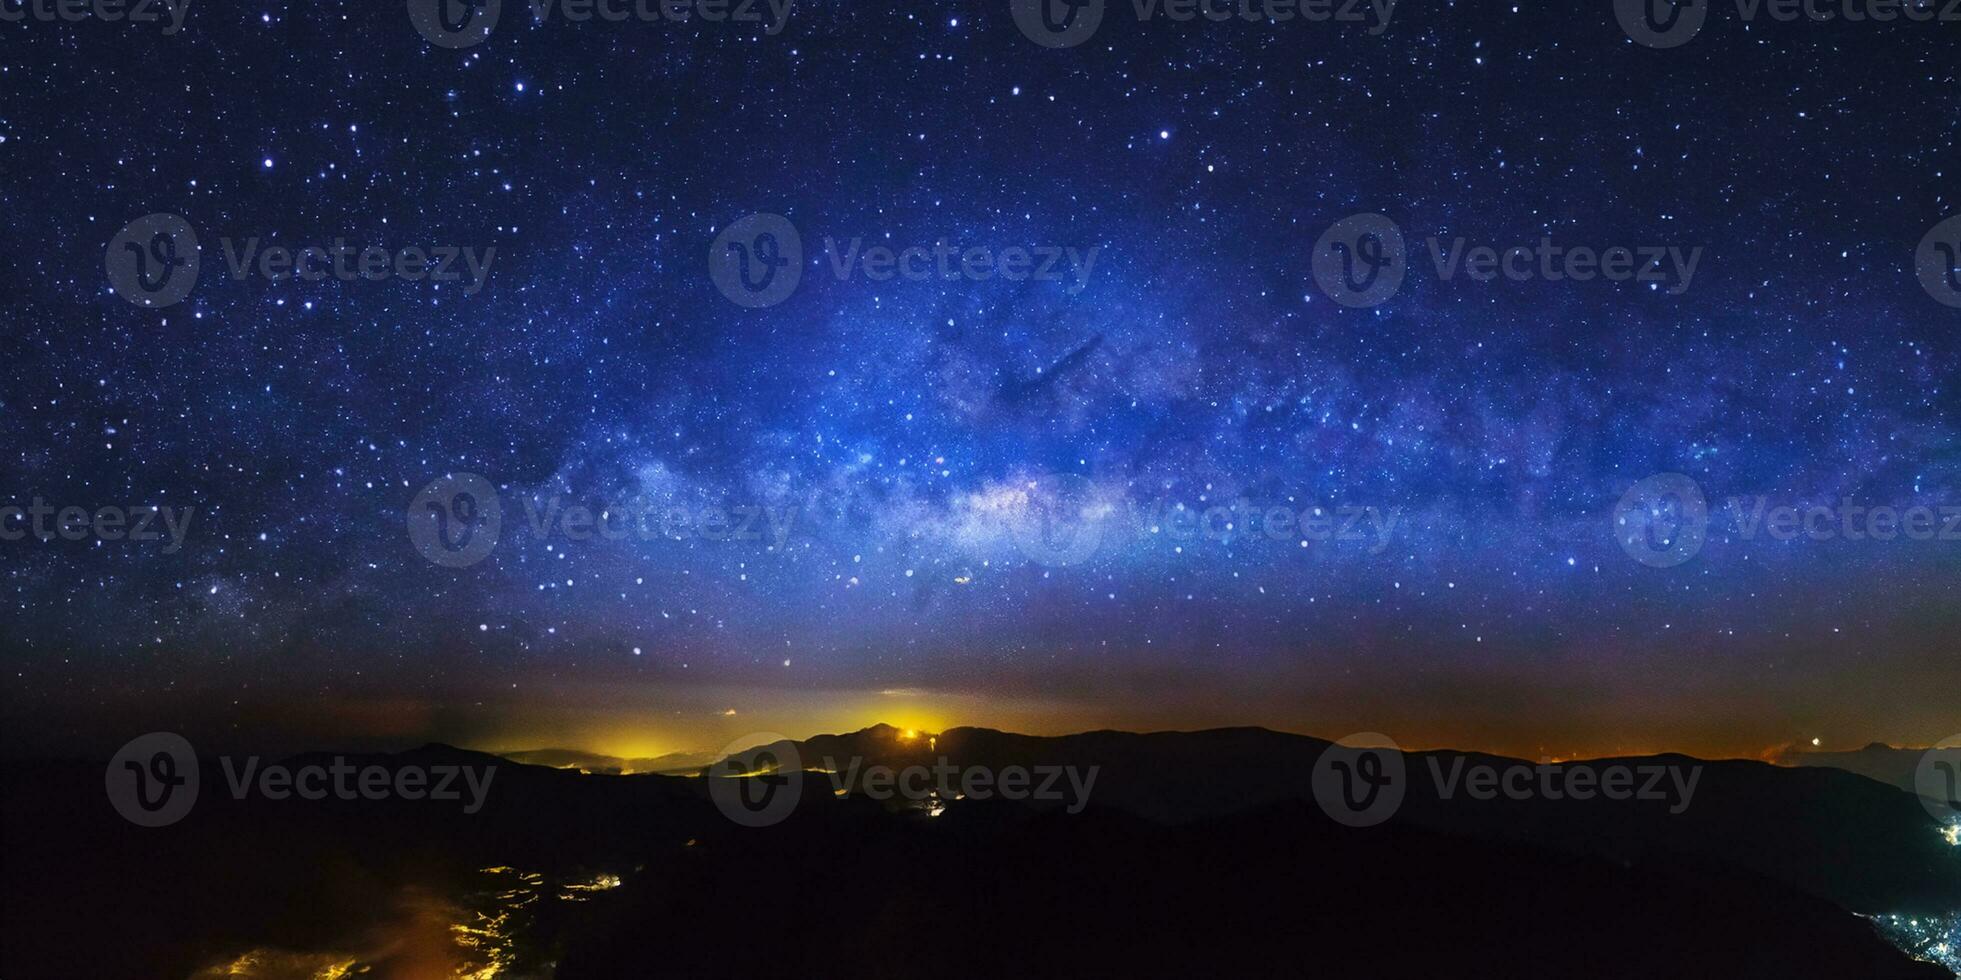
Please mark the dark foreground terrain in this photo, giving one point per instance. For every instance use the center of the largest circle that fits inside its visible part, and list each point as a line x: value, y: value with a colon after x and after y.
x: 1199, y: 854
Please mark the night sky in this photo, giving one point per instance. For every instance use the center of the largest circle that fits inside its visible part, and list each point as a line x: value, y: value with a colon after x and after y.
x: 911, y: 427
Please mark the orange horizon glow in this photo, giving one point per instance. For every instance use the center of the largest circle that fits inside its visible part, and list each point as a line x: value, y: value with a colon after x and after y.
x: 622, y: 742
x: 656, y: 721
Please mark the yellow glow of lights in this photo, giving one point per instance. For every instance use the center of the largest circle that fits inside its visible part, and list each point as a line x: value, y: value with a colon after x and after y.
x: 272, y: 962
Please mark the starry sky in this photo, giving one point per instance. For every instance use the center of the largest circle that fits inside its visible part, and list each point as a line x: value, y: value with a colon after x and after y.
x: 912, y: 426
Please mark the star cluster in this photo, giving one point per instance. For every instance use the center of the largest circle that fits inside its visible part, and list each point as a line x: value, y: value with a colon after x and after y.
x: 901, y: 432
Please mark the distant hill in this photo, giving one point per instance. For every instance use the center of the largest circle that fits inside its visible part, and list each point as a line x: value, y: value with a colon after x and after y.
x: 1878, y: 761
x: 673, y: 762
x: 1863, y: 845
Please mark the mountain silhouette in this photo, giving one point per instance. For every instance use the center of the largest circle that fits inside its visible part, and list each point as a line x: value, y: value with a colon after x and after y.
x: 1200, y: 853
x: 1836, y: 835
